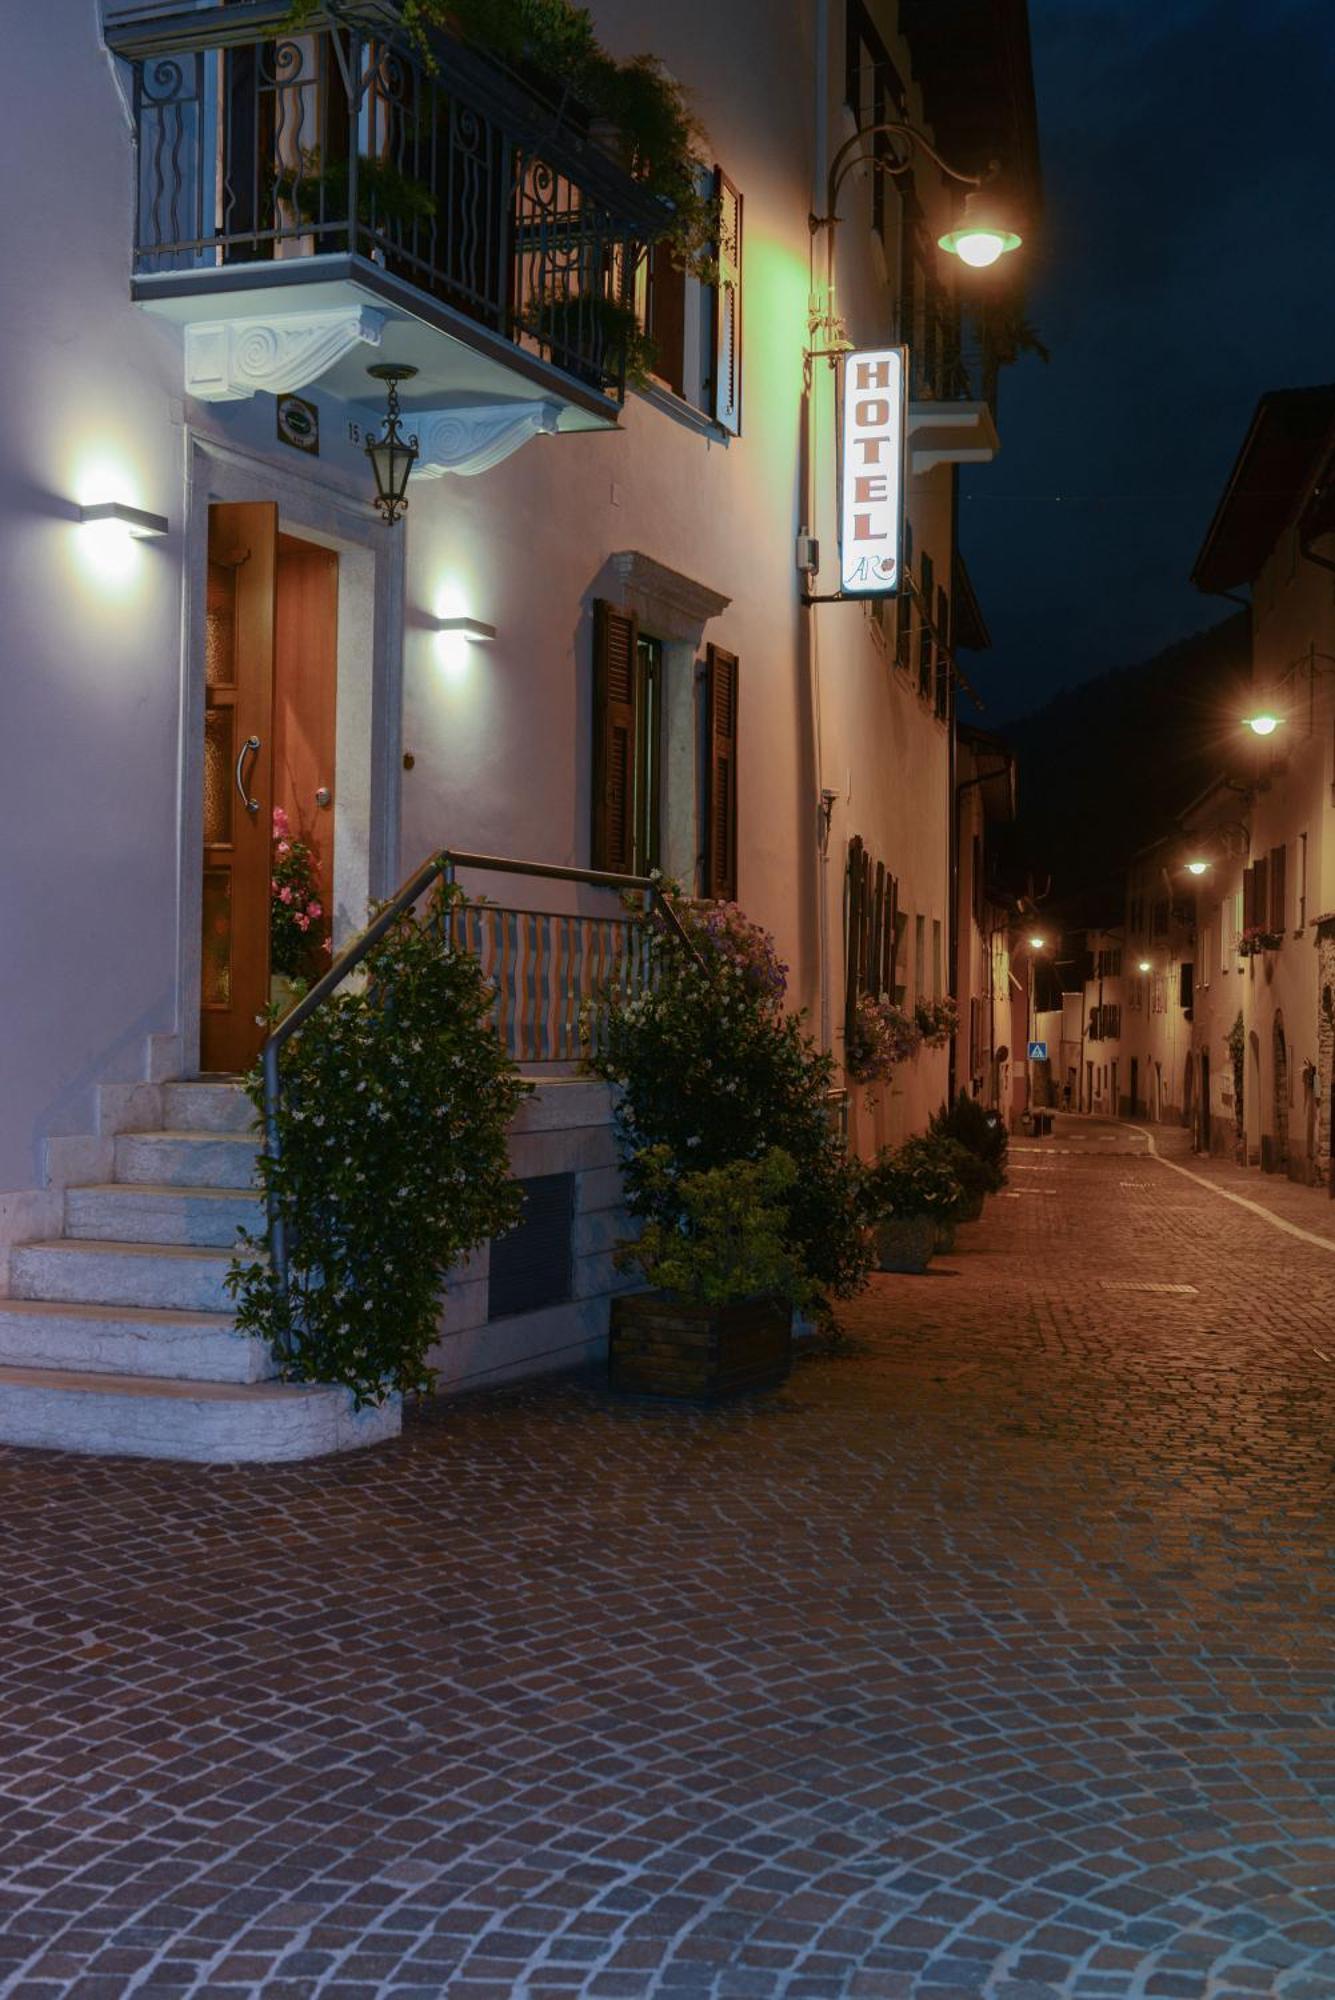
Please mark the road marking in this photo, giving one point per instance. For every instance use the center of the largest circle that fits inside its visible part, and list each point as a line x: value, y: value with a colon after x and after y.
x: 1227, y: 1194
x: 1142, y: 1285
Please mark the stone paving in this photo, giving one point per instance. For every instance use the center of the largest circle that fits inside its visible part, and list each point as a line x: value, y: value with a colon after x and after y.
x: 991, y: 1657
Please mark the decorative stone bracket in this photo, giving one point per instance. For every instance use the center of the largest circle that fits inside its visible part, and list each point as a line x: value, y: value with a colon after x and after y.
x: 468, y: 438
x: 227, y: 360
x: 951, y: 434
x: 672, y: 605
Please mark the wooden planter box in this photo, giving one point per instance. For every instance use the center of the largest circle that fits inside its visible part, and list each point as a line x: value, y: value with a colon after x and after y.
x: 661, y: 1348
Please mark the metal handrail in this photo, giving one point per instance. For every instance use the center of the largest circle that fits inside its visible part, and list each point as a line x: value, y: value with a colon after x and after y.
x: 442, y: 865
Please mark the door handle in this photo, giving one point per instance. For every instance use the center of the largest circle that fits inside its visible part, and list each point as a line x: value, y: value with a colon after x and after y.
x: 324, y: 797
x: 250, y: 748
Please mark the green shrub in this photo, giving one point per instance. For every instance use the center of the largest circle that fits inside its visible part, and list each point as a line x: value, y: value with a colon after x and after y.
x: 980, y: 1130
x: 728, y: 1241
x: 710, y: 1066
x: 396, y: 1105
x: 910, y: 1180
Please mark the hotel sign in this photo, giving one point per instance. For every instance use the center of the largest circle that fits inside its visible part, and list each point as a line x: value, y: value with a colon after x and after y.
x: 871, y: 479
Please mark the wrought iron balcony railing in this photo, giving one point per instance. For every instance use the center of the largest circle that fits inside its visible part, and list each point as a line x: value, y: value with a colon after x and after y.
x: 341, y: 149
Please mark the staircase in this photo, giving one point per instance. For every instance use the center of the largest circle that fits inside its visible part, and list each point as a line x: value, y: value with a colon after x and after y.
x: 119, y: 1336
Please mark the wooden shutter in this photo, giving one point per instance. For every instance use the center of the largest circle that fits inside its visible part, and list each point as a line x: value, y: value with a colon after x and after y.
x: 1260, y: 894
x: 721, y: 834
x: 1279, y: 887
x: 615, y: 645
x: 667, y: 318
x: 727, y: 315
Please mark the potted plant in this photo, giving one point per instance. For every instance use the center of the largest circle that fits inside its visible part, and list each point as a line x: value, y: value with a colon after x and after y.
x: 937, y: 1021
x: 298, y: 938
x: 971, y: 1175
x: 707, y: 1062
x: 719, y: 1316
x: 879, y: 1036
x: 908, y: 1193
x: 982, y: 1133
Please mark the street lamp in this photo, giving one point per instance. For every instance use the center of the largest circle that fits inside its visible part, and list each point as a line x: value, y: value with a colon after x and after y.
x: 1263, y: 724
x: 392, y: 455
x: 1197, y: 867
x: 1146, y: 965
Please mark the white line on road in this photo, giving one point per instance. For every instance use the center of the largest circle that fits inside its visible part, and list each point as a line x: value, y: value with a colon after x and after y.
x: 1227, y: 1194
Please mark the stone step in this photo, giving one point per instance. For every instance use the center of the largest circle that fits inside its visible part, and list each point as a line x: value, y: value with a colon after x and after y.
x: 187, y: 1159
x: 207, y: 1422
x: 138, y: 1212
x: 207, y: 1104
x: 130, y: 1340
x: 121, y: 1274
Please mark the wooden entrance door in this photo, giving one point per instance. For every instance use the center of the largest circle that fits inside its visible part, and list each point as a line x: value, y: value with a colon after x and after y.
x: 238, y: 781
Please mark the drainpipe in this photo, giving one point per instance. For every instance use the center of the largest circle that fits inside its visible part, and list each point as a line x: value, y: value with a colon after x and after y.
x: 953, y: 832
x: 820, y: 809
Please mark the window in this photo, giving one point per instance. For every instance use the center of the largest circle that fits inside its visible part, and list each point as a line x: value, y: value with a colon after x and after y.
x: 873, y: 92
x: 942, y: 658
x: 696, y: 329
x: 919, y: 958
x: 1302, y: 881
x: 531, y: 1266
x: 936, y: 959
x: 926, y: 650
x: 1278, y: 883
x: 1159, y: 918
x: 627, y: 744
x: 904, y: 607
x: 873, y: 929
x: 721, y: 775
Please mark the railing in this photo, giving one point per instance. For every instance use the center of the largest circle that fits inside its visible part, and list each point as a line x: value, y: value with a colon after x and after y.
x: 260, y: 145
x: 523, y: 1005
x: 547, y: 971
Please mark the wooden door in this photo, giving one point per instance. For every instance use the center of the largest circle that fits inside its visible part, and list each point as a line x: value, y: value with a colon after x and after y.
x: 238, y: 781
x: 305, y: 710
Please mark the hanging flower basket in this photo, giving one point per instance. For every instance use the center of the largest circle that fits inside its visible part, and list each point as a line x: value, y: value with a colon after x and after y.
x: 1254, y: 940
x: 880, y: 1036
x: 937, y: 1021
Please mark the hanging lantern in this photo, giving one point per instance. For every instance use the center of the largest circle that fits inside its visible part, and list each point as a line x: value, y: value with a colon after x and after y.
x: 392, y: 455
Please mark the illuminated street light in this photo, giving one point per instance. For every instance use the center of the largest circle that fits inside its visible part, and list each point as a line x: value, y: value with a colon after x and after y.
x: 1145, y: 965
x: 1037, y: 944
x: 1197, y: 867
x: 983, y: 232
x: 1263, y: 724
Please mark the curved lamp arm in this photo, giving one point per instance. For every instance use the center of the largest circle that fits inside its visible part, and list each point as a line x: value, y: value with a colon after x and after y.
x: 847, y: 158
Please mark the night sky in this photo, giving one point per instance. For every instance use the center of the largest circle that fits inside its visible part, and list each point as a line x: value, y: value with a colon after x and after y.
x: 1184, y: 265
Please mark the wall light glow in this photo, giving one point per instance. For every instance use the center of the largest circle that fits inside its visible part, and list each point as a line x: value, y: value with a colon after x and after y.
x: 455, y: 650
x: 1197, y: 867
x: 112, y: 524
x: 1263, y: 724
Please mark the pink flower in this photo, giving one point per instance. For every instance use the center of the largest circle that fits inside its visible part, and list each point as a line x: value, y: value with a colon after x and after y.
x: 314, y: 910
x: 273, y: 884
x: 285, y: 895
x: 328, y: 944
x: 285, y: 847
x: 303, y: 923
x: 280, y: 822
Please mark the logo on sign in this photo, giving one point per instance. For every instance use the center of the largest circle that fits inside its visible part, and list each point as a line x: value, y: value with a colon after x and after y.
x: 1038, y: 1051
x: 871, y: 496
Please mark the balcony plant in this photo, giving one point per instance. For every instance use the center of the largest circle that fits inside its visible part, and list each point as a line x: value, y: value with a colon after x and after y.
x: 397, y: 1100
x: 1256, y: 938
x: 937, y: 1021
x: 709, y: 1064
x: 645, y: 113
x: 908, y: 1194
x: 725, y: 1280
x: 320, y: 192
x: 880, y: 1035
x: 592, y: 336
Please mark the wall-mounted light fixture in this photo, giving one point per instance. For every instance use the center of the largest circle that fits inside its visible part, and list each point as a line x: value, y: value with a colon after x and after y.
x: 1145, y: 965
x: 116, y: 516
x: 470, y: 628
x: 1264, y: 724
x: 1197, y: 867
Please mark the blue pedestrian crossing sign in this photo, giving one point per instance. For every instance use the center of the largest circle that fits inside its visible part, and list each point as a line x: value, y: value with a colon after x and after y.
x: 1038, y: 1051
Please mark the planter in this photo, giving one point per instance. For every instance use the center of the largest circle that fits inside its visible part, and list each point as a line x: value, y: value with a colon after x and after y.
x: 660, y: 1347
x: 905, y: 1243
x: 971, y: 1208
x: 943, y: 1242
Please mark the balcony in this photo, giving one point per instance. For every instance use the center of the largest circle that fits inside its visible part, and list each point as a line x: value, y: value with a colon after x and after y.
x: 311, y: 201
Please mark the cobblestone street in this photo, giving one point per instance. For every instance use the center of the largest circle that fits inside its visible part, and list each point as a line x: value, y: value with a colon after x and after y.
x: 993, y: 1656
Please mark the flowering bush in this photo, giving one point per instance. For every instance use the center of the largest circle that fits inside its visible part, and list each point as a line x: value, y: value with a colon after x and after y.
x: 913, y: 1180
x: 395, y: 1109
x: 1257, y: 938
x: 937, y: 1021
x: 879, y: 1037
x: 719, y: 1236
x: 711, y: 1067
x: 298, y: 942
